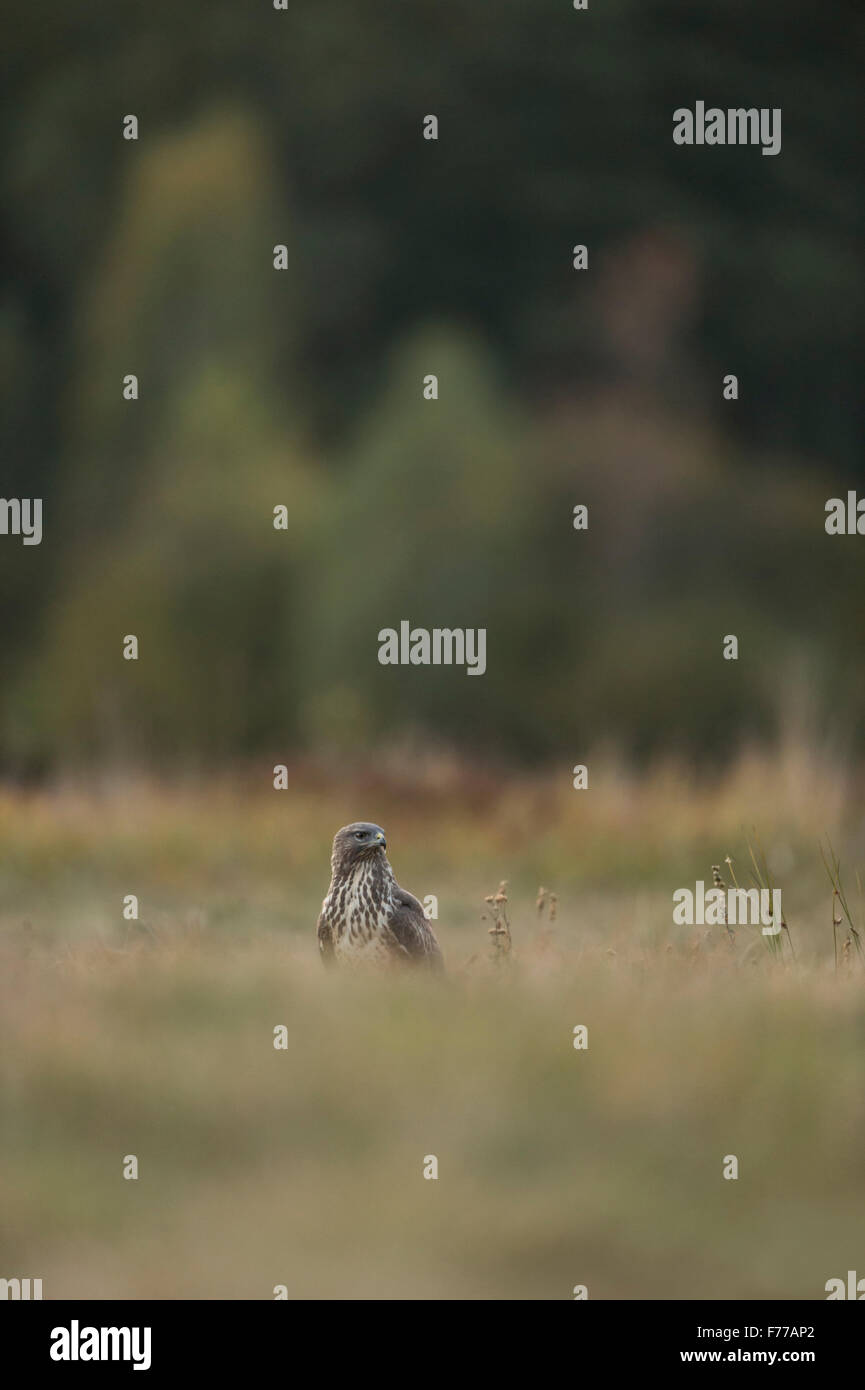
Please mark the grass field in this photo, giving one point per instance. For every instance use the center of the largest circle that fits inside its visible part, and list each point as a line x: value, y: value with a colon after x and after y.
x: 303, y: 1166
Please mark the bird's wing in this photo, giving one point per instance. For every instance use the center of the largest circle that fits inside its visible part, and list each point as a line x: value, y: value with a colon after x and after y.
x: 412, y: 931
x: 325, y: 938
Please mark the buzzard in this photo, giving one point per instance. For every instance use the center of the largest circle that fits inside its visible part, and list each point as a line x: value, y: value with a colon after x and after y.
x: 366, y: 916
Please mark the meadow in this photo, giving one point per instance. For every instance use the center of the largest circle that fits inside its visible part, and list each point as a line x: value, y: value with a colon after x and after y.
x: 303, y: 1166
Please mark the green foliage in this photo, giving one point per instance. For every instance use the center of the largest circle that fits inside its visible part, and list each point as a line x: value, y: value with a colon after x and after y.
x: 428, y: 511
x: 167, y: 504
x: 407, y: 257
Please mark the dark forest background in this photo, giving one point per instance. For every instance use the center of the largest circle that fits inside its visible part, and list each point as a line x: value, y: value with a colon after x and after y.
x: 409, y: 257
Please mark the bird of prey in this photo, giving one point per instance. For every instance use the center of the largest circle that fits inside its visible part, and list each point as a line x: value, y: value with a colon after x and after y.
x: 366, y: 916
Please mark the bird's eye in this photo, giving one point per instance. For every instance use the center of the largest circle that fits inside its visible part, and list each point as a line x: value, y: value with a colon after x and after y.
x: 360, y: 834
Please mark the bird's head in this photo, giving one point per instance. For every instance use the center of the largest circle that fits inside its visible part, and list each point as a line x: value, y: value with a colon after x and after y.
x: 360, y: 840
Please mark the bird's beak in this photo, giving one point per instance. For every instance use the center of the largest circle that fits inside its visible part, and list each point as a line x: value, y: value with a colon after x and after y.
x: 380, y: 840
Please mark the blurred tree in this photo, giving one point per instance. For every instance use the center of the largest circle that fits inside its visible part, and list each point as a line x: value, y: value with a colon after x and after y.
x: 167, y: 528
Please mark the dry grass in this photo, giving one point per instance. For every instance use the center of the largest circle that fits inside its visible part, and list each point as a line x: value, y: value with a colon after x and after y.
x: 304, y: 1166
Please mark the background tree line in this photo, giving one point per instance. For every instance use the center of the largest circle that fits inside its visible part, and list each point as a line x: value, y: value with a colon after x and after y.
x: 409, y: 257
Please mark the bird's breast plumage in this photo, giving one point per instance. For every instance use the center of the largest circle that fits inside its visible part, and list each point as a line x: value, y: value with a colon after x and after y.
x: 358, y: 909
